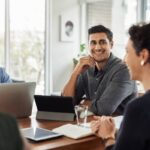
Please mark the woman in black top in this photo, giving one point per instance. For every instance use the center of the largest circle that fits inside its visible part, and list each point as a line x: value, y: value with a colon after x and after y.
x: 134, y: 133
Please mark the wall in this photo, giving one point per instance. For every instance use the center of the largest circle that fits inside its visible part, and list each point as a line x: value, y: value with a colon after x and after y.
x: 118, y: 23
x: 63, y: 52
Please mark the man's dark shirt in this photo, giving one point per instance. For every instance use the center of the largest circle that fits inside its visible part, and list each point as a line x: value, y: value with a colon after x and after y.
x: 109, y: 89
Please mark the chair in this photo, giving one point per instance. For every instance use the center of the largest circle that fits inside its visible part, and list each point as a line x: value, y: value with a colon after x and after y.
x: 17, y: 81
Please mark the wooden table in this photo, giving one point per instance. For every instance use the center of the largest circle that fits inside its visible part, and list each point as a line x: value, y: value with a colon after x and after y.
x: 61, y: 143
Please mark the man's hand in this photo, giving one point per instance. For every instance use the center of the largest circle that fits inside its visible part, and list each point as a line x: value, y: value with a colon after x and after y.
x: 83, y: 64
x: 86, y: 102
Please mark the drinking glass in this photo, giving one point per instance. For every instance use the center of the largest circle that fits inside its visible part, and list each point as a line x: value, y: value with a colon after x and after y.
x: 81, y: 114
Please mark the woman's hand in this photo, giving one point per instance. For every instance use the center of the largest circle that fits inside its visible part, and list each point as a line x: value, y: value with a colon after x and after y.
x: 107, y: 128
x: 103, y: 127
x: 95, y: 124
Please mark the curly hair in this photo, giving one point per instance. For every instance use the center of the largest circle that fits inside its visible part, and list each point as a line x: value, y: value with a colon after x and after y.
x: 99, y: 29
x: 140, y: 36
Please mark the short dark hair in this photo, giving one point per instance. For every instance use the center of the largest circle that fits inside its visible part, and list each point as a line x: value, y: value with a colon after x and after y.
x: 99, y: 29
x: 140, y: 36
x: 69, y: 23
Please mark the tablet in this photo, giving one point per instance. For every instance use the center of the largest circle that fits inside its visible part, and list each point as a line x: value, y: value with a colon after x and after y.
x: 38, y: 134
x: 59, y: 108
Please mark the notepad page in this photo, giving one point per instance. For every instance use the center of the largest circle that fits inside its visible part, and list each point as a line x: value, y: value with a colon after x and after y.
x: 117, y: 120
x: 73, y: 131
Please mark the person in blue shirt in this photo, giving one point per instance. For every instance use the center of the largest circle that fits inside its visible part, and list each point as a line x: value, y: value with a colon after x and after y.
x: 4, y: 77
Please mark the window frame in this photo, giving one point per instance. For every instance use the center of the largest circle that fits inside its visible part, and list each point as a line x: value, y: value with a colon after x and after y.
x: 47, y: 45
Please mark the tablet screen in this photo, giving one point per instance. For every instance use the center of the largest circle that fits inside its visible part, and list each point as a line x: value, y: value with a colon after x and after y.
x: 38, y: 134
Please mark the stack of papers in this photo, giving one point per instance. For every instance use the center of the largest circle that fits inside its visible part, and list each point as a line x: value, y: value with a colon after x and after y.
x: 73, y: 131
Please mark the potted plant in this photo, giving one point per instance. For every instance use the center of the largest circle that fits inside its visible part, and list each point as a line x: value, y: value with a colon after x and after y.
x: 82, y: 52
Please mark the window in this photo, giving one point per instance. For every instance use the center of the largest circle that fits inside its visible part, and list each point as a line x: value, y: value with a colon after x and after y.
x: 130, y: 13
x: 25, y: 43
x: 99, y: 13
x: 27, y: 29
x: 2, y: 30
x: 148, y: 11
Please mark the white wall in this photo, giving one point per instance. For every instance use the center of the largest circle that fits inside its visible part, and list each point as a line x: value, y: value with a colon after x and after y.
x: 118, y: 21
x: 63, y: 52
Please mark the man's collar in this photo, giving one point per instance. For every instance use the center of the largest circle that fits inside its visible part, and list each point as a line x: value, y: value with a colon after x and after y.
x: 109, y: 62
x: 111, y: 57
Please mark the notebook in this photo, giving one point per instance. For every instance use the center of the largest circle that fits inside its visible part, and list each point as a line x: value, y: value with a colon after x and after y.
x: 73, y: 131
x: 77, y: 132
x: 17, y: 98
x: 52, y: 107
x: 38, y: 134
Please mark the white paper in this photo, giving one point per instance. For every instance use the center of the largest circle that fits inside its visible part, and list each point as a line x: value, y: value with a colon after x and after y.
x: 118, y: 121
x: 73, y: 131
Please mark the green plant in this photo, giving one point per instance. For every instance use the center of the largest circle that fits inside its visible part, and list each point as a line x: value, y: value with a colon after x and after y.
x: 82, y: 52
x: 82, y: 47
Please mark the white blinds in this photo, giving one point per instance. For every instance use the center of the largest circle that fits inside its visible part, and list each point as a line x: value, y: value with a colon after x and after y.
x: 99, y: 13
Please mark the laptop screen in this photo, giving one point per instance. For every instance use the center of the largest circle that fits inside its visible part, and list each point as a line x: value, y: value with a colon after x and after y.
x: 38, y: 134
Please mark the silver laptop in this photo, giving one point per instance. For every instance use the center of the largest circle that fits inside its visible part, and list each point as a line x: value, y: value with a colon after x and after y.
x: 17, y: 98
x: 38, y: 134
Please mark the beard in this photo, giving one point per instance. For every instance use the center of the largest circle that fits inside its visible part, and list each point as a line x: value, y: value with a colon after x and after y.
x: 100, y: 56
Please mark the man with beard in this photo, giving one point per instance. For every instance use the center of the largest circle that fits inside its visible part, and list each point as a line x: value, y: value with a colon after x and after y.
x: 101, y: 79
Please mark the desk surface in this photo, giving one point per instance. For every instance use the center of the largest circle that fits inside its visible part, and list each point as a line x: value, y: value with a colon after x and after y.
x: 61, y: 143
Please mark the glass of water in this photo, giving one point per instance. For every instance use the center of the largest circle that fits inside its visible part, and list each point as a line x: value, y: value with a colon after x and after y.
x: 81, y: 112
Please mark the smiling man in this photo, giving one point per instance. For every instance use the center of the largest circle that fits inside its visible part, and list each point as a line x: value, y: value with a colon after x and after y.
x: 101, y: 79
